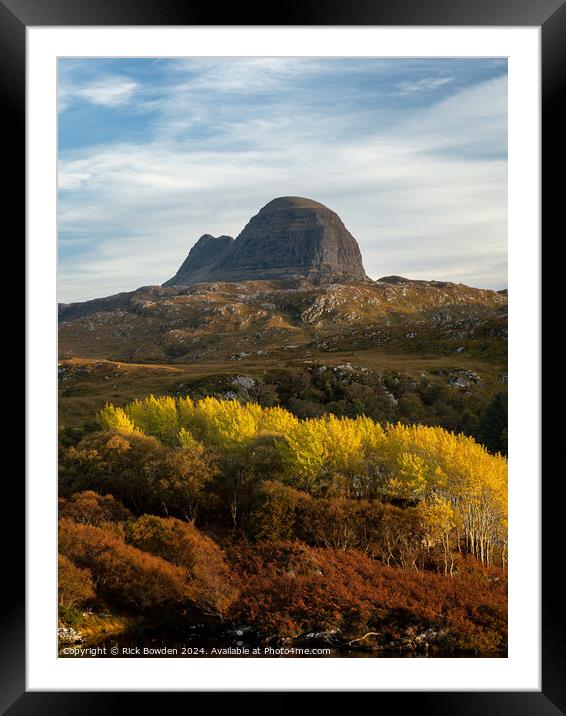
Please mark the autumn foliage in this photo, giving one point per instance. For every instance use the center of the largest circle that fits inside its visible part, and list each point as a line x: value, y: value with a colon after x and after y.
x: 75, y: 584
x: 124, y: 575
x: 209, y: 583
x: 290, y: 589
x: 462, y: 489
x: 90, y: 508
x: 239, y: 512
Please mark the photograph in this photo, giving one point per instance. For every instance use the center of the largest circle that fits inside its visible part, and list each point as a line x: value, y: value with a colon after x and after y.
x: 282, y: 357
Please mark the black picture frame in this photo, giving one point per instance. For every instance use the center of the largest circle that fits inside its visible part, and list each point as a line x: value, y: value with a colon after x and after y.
x: 15, y: 17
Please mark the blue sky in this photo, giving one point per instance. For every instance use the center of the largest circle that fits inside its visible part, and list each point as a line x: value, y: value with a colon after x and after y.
x: 153, y: 153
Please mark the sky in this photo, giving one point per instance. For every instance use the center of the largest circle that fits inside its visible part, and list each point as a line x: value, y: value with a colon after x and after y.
x: 153, y: 153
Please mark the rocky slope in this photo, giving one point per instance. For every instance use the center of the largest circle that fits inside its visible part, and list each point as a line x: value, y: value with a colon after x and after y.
x: 292, y: 318
x: 202, y: 258
x: 290, y: 237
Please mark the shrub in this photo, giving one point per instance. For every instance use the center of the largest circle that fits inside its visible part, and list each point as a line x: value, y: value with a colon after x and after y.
x: 275, y: 514
x: 389, y: 533
x: 210, y: 586
x: 75, y: 584
x: 167, y: 538
x: 124, y: 575
x: 291, y: 589
x: 140, y: 471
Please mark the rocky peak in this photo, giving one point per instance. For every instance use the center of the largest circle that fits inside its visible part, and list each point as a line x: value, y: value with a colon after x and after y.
x: 207, y: 251
x: 289, y: 237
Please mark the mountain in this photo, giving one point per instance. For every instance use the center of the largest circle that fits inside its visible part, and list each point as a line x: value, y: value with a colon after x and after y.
x: 291, y: 286
x: 290, y: 237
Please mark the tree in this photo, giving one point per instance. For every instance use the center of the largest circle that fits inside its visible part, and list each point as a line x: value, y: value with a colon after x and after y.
x: 425, y: 463
x: 112, y: 462
x: 438, y: 521
x: 212, y: 588
x: 326, y: 457
x: 75, y: 584
x: 181, y: 476
x: 146, y: 475
x: 306, y: 455
x: 236, y: 482
x: 224, y: 424
x: 276, y: 511
x: 209, y: 585
x: 492, y: 430
x: 90, y: 508
x: 157, y: 417
x: 115, y: 418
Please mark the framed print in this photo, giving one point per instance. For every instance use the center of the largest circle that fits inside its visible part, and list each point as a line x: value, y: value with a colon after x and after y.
x: 283, y: 372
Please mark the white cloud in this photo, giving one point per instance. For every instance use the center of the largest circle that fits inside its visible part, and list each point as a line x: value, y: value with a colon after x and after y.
x: 425, y: 198
x: 109, y: 92
x: 106, y: 91
x: 471, y: 122
x: 426, y: 84
x: 260, y: 74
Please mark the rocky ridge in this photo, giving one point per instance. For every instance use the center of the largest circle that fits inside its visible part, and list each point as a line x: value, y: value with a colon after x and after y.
x: 233, y: 321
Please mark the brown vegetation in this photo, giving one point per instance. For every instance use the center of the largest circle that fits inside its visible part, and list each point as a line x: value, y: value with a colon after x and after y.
x: 224, y: 511
x: 290, y: 589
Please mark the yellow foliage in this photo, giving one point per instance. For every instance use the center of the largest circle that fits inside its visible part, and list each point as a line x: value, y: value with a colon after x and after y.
x: 437, y: 517
x: 455, y: 482
x: 113, y: 418
x: 276, y: 420
x: 224, y: 423
x: 427, y: 464
x: 155, y: 416
x: 187, y: 440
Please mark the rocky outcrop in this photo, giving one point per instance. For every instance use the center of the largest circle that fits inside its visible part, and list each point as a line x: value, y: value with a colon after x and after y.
x: 290, y: 237
x: 68, y: 635
x: 202, y: 258
x: 255, y: 320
